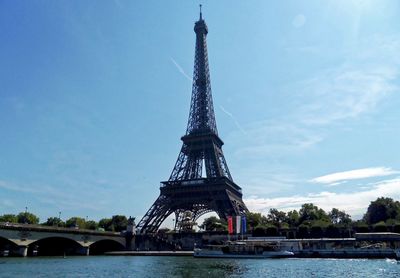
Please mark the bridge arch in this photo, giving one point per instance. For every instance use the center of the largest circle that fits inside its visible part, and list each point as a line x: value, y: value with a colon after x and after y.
x: 13, y: 241
x: 7, y: 244
x: 55, y: 246
x: 105, y: 245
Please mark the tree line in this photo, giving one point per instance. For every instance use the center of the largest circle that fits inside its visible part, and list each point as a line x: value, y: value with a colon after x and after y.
x: 116, y: 223
x: 382, y: 215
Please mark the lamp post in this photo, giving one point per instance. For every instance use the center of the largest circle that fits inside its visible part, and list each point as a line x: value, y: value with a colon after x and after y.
x: 59, y: 219
x: 26, y: 217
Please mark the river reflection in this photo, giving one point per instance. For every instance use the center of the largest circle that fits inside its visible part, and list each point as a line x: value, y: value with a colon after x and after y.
x: 102, y: 266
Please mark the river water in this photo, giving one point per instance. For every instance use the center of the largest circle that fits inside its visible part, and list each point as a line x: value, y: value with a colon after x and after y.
x: 102, y: 266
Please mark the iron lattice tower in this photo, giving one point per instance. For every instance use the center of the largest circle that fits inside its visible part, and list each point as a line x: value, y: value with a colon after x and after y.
x: 187, y: 193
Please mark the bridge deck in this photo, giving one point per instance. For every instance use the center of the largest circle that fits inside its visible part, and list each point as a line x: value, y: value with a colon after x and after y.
x: 53, y: 229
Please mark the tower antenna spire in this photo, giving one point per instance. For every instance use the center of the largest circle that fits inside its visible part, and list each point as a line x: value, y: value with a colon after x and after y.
x: 200, y: 13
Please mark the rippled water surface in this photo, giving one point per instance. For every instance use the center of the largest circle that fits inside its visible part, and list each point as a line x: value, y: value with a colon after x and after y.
x: 191, y: 267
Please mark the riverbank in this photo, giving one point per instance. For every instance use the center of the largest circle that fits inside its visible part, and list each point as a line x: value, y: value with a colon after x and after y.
x: 327, y: 254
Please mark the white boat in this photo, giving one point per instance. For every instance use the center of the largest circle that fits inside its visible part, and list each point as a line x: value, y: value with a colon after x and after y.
x: 242, y: 249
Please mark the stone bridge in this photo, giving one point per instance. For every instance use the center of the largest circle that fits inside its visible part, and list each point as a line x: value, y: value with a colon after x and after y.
x: 25, y: 239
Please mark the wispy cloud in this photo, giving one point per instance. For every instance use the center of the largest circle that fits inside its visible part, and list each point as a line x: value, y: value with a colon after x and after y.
x: 262, y: 180
x: 230, y: 115
x: 355, y: 174
x: 14, y: 187
x: 354, y: 203
x: 341, y: 94
x: 6, y: 203
x: 346, y: 92
x: 356, y: 87
x: 54, y: 196
x: 277, y: 138
x: 180, y: 69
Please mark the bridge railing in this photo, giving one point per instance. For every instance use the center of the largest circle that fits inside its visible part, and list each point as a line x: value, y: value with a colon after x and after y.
x: 41, y: 228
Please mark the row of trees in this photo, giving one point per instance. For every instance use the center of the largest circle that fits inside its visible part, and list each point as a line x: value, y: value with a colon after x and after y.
x: 380, y: 213
x: 23, y: 217
x: 309, y: 215
x: 116, y: 223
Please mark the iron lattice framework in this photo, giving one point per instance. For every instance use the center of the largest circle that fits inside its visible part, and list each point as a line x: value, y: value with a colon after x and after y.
x: 187, y: 193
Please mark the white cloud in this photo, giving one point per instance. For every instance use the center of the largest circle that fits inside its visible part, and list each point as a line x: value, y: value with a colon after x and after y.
x: 13, y: 187
x: 366, y: 78
x: 180, y: 69
x: 346, y: 93
x: 355, y: 203
x: 230, y: 115
x: 261, y: 180
x: 276, y: 138
x: 339, y: 177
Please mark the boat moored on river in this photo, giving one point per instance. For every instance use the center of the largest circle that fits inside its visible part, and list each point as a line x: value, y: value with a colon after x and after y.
x: 243, y: 249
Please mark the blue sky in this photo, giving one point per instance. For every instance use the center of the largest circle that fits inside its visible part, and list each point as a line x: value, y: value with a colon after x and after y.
x: 95, y: 95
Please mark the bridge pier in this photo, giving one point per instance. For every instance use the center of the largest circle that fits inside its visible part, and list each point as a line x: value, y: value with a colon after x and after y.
x: 85, y: 251
x: 22, y: 251
x: 130, y: 243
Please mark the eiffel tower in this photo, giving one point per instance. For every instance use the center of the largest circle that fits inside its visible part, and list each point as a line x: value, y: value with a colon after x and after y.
x: 187, y: 193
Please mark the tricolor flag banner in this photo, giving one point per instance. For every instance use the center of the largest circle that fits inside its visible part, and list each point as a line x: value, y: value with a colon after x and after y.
x: 244, y: 224
x: 238, y: 218
x: 230, y: 225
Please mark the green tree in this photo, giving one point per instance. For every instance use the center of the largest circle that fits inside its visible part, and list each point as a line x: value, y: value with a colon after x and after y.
x: 277, y: 217
x: 316, y: 231
x: 106, y: 224
x: 303, y: 231
x: 91, y: 225
x: 339, y: 217
x: 213, y: 223
x: 360, y: 226
x: 255, y: 219
x: 293, y: 218
x: 119, y: 223
x: 54, y: 221
x: 27, y: 218
x: 11, y: 218
x: 310, y: 212
x: 380, y: 227
x: 332, y: 231
x: 75, y: 222
x: 272, y: 230
x: 260, y: 231
x: 382, y: 209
